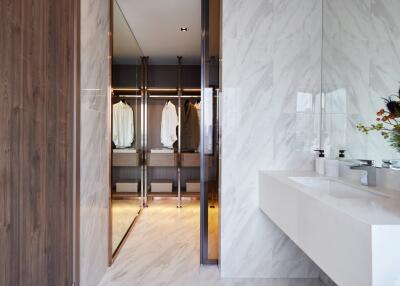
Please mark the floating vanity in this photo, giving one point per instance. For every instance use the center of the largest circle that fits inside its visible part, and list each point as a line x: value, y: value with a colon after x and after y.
x: 351, y: 232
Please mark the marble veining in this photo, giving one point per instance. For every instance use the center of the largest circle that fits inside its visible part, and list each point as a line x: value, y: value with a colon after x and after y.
x: 361, y: 62
x: 271, y: 80
x: 123, y: 213
x: 94, y: 135
x: 163, y: 249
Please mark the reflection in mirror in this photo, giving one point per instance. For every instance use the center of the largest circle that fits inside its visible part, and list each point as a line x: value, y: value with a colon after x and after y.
x: 174, y: 171
x: 360, y: 67
x: 126, y: 118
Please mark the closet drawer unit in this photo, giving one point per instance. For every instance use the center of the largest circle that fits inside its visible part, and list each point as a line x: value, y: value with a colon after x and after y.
x: 128, y: 186
x: 161, y: 186
x: 193, y: 186
x: 162, y: 160
x: 190, y: 159
x: 125, y: 159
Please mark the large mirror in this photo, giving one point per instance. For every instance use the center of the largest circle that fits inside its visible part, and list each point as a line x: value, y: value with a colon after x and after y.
x: 165, y: 168
x: 360, y: 69
x: 126, y: 120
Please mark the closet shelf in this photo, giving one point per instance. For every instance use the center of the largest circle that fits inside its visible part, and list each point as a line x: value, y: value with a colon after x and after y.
x: 162, y: 159
x: 190, y: 159
x: 172, y: 194
x: 126, y: 92
x: 125, y: 159
x: 185, y: 194
x: 128, y: 96
x: 126, y: 195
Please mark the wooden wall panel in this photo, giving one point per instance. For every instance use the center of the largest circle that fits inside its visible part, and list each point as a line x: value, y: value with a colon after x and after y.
x: 37, y: 77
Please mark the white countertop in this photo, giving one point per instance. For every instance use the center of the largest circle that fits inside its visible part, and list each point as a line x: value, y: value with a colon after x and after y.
x: 350, y: 231
x: 383, y: 209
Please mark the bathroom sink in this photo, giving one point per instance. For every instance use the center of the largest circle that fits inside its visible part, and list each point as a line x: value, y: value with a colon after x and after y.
x: 334, y: 188
x: 351, y: 232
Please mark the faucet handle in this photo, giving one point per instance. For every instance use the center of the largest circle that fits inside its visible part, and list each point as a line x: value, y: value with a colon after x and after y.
x: 391, y: 163
x: 366, y: 162
x: 386, y: 163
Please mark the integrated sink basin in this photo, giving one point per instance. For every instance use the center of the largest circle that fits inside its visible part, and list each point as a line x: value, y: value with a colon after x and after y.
x: 335, y: 188
x: 350, y: 231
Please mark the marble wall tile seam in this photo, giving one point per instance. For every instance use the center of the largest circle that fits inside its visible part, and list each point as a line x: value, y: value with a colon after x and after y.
x: 94, y: 167
x: 275, y: 106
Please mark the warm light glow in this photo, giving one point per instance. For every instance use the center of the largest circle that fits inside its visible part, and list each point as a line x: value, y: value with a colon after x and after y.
x: 126, y: 89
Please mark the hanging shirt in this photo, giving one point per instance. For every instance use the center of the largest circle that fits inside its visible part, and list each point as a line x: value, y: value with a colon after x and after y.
x: 169, y: 122
x: 190, y: 127
x: 123, y: 126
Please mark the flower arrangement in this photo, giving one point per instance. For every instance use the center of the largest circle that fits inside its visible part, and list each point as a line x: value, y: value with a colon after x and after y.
x: 388, y: 121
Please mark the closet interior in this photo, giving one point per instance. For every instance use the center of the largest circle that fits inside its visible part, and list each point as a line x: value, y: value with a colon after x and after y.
x: 164, y: 161
x: 164, y: 95
x: 126, y: 120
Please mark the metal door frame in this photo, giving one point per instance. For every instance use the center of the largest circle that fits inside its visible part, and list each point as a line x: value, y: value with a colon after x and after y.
x: 203, y: 163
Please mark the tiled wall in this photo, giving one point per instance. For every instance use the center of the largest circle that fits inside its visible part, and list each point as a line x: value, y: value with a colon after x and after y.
x: 94, y: 190
x: 361, y: 64
x: 271, y: 83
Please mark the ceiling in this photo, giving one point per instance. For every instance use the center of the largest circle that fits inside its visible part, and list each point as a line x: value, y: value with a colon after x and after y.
x: 125, y: 47
x: 156, y: 26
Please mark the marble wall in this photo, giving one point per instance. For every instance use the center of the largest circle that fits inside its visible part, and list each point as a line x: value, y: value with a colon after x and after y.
x: 361, y: 64
x: 271, y: 77
x: 94, y: 187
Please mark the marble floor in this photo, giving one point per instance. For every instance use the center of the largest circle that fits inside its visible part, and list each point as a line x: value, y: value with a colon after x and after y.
x: 163, y: 249
x: 123, y: 214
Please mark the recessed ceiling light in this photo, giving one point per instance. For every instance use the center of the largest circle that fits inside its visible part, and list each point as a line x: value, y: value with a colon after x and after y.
x: 184, y: 29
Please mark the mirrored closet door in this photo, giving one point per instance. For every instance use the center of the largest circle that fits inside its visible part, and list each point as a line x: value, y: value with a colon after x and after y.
x: 126, y: 120
x: 165, y: 118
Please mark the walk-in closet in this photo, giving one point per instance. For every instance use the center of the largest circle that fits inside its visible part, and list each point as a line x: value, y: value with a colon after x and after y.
x: 164, y: 118
x: 125, y: 121
x: 171, y: 131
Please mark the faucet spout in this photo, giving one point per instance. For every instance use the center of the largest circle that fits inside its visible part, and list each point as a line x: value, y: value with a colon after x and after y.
x: 369, y: 178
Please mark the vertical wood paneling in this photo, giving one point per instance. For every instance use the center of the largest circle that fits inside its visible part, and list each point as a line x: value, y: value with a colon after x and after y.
x: 36, y: 141
x: 10, y: 131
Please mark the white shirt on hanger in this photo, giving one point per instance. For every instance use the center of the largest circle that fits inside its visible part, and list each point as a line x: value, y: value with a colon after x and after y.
x: 123, y: 126
x: 169, y: 122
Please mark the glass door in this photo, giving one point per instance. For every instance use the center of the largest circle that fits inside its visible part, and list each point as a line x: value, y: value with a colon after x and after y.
x: 209, y: 146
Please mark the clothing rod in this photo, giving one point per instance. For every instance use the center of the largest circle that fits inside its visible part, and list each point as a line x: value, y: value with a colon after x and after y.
x: 173, y: 89
x: 162, y: 89
x: 126, y: 89
x: 128, y: 96
x: 163, y: 96
x: 174, y: 96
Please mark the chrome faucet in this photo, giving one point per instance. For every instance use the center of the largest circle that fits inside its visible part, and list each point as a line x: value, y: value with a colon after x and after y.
x: 369, y: 178
x: 391, y: 164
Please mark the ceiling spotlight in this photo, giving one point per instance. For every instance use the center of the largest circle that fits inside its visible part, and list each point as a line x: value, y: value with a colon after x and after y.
x: 184, y: 29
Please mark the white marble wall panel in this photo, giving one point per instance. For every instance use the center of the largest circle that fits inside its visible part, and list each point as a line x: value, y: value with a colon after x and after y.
x: 94, y: 187
x: 361, y: 55
x: 271, y: 82
x: 347, y: 19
